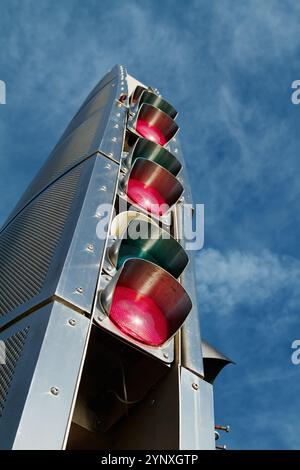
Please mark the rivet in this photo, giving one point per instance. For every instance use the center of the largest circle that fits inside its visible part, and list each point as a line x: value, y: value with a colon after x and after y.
x: 108, y: 166
x: 54, y: 391
x: 195, y: 386
x: 108, y: 267
x: 116, y: 126
x: 80, y: 290
x: 166, y: 355
x: 72, y: 322
x: 103, y: 188
x: 110, y: 154
x: 90, y: 247
x: 119, y: 114
x: 114, y: 139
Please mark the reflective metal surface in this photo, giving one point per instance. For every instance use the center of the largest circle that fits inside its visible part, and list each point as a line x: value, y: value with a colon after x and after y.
x: 214, y: 362
x: 144, y: 148
x: 151, y: 98
x: 144, y: 240
x: 156, y: 118
x: 82, y: 263
x: 152, y: 175
x: 41, y: 393
x: 98, y: 127
x: 150, y: 280
x: 196, y: 413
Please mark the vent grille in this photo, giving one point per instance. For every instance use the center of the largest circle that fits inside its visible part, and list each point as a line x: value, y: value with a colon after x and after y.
x: 100, y: 100
x: 13, y: 351
x: 28, y: 243
x: 70, y: 151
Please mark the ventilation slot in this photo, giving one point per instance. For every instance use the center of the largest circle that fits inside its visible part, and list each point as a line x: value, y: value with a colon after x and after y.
x: 27, y: 245
x: 13, y: 351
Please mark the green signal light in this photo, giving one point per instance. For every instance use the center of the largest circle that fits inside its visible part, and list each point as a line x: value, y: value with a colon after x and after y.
x: 148, y: 97
x: 147, y: 241
x: 148, y: 150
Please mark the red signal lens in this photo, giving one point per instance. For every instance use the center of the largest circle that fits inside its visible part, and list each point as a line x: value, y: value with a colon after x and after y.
x: 150, y: 132
x: 139, y: 316
x: 154, y: 124
x: 146, y: 197
x: 152, y: 187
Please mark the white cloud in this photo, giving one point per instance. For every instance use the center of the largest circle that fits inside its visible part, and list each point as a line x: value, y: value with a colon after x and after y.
x: 228, y: 281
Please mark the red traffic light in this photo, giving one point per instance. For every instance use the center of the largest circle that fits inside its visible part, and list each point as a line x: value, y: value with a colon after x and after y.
x: 152, y: 187
x: 155, y: 125
x: 145, y: 302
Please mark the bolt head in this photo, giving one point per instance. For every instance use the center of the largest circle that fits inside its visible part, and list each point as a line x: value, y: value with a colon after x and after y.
x: 195, y: 386
x: 54, y: 391
x: 72, y: 322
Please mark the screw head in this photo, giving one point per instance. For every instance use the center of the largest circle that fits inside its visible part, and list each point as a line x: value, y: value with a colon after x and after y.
x: 195, y: 386
x: 166, y: 355
x: 108, y: 166
x: 54, y: 391
x: 72, y: 322
x: 108, y: 267
x: 90, y: 247
x: 103, y: 188
x: 79, y: 290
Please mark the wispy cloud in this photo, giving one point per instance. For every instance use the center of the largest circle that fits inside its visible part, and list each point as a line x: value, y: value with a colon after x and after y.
x: 228, y: 281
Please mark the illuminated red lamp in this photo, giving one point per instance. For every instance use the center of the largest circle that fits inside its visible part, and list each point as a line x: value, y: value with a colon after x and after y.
x: 155, y: 125
x: 145, y: 302
x: 152, y: 187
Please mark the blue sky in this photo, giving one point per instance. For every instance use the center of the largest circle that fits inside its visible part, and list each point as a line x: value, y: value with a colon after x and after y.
x: 227, y: 66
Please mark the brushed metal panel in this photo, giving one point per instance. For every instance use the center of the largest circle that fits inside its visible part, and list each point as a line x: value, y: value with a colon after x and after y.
x: 115, y: 72
x: 191, y: 349
x: 174, y: 146
x: 28, y: 244
x: 97, y: 127
x: 34, y: 417
x: 50, y: 254
x: 102, y: 100
x: 196, y: 413
x: 82, y: 265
